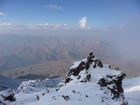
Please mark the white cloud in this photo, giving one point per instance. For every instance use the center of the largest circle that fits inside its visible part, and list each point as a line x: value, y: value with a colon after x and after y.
x: 2, y: 14
x: 56, y: 7
x: 82, y: 22
x: 13, y: 26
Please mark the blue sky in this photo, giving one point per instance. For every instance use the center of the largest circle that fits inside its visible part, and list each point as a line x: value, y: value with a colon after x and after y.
x: 98, y: 12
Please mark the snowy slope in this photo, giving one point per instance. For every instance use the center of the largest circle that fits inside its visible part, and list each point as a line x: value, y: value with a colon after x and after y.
x: 132, y: 90
x: 81, y: 89
x: 38, y: 85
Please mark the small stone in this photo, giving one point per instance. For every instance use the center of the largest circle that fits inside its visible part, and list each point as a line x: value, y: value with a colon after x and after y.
x: 37, y: 97
x: 66, y: 97
x: 86, y: 95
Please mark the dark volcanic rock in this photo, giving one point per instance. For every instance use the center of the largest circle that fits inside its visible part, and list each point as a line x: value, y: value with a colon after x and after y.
x: 84, y: 65
x: 7, y: 95
x: 114, y: 84
x: 77, y: 70
x: 97, y: 62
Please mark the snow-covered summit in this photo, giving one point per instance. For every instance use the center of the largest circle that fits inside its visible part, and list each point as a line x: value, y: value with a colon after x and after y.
x: 88, y: 82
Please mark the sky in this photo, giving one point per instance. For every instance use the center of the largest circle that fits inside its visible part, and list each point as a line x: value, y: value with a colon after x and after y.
x: 94, y: 13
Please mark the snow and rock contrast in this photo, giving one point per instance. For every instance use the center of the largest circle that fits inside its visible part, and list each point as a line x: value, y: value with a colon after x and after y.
x: 88, y: 82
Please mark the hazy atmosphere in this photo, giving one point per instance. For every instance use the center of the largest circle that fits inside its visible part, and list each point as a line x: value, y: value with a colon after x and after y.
x: 69, y: 52
x: 116, y: 24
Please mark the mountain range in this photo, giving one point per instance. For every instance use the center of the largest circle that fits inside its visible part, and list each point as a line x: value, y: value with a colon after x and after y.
x: 51, y: 56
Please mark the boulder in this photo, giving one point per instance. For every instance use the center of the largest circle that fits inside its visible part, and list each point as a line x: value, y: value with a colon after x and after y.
x: 77, y: 70
x: 8, y: 95
x: 97, y: 62
x: 114, y: 84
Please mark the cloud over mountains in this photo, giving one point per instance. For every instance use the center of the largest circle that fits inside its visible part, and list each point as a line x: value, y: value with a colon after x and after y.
x: 82, y: 22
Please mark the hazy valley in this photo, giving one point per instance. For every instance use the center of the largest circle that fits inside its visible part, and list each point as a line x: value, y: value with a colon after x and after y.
x: 51, y: 56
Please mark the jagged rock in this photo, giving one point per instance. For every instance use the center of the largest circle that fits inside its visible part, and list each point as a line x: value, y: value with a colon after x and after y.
x: 83, y: 65
x: 37, y: 97
x: 114, y: 84
x: 68, y: 80
x: 90, y: 57
x: 7, y: 96
x: 117, y: 68
x: 57, y: 89
x: 43, y: 94
x: 89, y: 60
x: 102, y: 82
x: 10, y: 97
x: 86, y: 96
x: 97, y: 62
x: 66, y: 97
x: 109, y: 66
x: 88, y: 77
x: 77, y: 70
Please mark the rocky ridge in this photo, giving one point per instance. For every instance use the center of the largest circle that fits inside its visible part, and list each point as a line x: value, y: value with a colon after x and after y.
x: 88, y: 82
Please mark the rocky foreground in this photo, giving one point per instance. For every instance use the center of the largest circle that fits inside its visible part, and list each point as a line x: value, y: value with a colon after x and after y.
x: 88, y: 82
